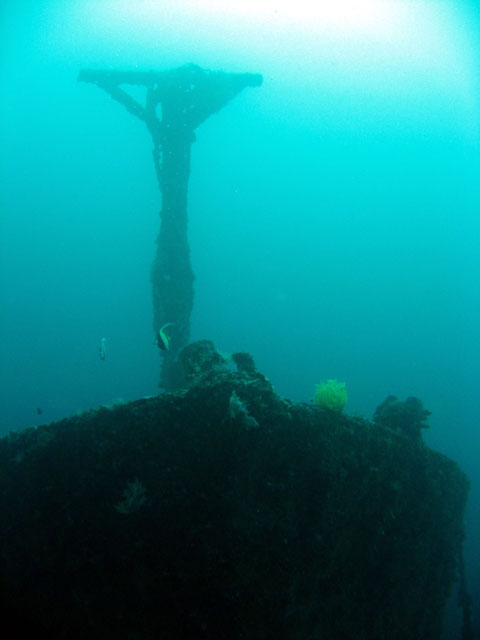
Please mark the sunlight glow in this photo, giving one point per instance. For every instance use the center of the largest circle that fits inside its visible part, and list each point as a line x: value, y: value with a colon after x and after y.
x: 341, y: 15
x: 361, y: 15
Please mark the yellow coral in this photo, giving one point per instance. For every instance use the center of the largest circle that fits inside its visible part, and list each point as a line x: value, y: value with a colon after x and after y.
x: 331, y: 395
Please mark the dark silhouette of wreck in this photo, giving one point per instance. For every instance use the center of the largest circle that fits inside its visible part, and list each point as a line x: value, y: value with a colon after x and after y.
x: 226, y: 512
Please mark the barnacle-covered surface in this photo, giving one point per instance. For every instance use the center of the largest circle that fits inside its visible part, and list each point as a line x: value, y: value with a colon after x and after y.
x: 224, y: 511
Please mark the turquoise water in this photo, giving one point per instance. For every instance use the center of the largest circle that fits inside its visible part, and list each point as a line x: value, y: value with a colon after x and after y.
x: 334, y: 211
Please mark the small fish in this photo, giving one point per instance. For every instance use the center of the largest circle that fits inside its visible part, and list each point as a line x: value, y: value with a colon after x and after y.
x: 39, y: 411
x: 162, y: 340
x: 102, y: 349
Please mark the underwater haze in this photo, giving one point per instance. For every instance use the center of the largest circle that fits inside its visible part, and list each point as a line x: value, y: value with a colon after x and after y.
x: 333, y: 212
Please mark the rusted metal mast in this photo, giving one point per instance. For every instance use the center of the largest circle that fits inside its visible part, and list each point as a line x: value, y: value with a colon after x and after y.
x: 177, y: 101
